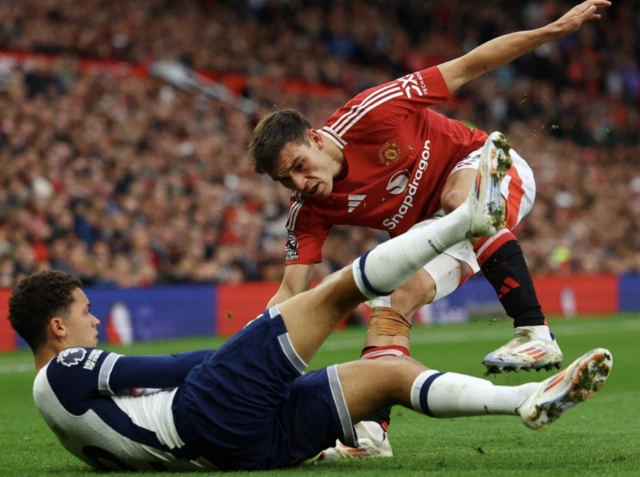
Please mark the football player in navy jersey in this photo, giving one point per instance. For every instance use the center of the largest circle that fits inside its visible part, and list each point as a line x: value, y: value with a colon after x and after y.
x: 249, y: 405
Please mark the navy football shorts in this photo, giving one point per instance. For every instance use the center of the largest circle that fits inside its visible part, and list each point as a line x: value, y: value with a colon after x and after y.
x: 249, y: 407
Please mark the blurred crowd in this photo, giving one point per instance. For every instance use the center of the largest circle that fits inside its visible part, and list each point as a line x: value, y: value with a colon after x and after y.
x: 128, y: 181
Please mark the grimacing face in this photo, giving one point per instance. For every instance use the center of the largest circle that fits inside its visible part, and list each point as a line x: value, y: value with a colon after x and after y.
x: 81, y: 326
x: 306, y: 168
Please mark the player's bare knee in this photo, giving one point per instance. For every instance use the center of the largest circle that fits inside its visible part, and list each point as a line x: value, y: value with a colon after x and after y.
x: 402, y: 300
x: 429, y: 290
x: 401, y: 372
x: 413, y: 295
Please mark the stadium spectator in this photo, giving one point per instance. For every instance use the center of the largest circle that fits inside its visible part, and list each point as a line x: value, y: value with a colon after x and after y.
x: 129, y: 182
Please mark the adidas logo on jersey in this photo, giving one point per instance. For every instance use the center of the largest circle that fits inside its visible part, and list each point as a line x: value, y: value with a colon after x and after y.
x: 355, y: 201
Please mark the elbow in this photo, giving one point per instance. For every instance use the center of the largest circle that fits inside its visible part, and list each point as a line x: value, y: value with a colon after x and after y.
x: 470, y: 70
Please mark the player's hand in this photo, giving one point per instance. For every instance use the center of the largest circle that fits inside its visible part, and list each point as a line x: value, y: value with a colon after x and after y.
x: 574, y: 18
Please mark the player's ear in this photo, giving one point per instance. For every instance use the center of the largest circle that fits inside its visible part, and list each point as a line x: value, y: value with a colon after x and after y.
x: 57, y: 327
x: 316, y: 138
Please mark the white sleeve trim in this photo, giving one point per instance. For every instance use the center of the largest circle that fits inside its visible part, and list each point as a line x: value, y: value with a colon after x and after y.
x: 105, y: 373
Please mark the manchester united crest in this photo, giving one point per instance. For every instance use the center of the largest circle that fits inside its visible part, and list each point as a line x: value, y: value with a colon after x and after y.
x: 389, y: 152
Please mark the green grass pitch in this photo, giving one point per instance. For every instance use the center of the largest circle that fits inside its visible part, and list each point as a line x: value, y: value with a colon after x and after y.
x: 599, y: 437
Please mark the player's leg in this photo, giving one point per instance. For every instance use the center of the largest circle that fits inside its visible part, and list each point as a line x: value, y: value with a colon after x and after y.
x: 390, y: 323
x: 407, y: 382
x: 388, y: 334
x: 502, y: 262
x: 310, y: 317
x: 324, y: 404
x: 448, y: 271
x: 227, y: 406
x: 390, y: 326
x: 230, y: 403
x: 437, y: 279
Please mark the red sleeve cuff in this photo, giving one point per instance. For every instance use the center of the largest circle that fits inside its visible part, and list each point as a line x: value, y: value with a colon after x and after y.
x: 435, y: 82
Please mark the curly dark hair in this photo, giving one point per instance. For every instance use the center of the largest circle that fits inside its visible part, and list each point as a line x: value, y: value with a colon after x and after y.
x: 36, y: 300
x: 273, y: 132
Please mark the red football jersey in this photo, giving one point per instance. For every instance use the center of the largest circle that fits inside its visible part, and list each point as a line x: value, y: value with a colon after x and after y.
x: 399, y: 154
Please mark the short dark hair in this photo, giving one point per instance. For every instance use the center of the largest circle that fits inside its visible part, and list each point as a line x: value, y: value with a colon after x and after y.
x: 36, y: 300
x: 273, y: 132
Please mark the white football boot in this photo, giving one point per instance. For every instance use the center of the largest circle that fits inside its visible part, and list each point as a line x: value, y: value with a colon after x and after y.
x: 555, y: 395
x: 372, y: 442
x: 488, y: 213
x: 527, y: 350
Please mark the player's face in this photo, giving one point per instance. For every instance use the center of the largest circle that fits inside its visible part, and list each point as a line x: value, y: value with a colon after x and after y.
x: 81, y: 325
x: 308, y: 169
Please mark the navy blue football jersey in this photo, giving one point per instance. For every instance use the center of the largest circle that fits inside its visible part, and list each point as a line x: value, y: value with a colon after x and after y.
x: 114, y: 411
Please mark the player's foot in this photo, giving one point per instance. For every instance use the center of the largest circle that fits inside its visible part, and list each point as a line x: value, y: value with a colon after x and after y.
x: 555, y: 395
x: 487, y: 211
x: 529, y: 349
x: 372, y: 442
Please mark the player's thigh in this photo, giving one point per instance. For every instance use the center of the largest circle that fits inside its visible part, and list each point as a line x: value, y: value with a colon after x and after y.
x: 314, y: 416
x: 228, y: 403
x: 258, y: 364
x: 452, y: 268
x: 325, y: 404
x: 460, y: 180
x: 518, y: 189
x: 310, y: 317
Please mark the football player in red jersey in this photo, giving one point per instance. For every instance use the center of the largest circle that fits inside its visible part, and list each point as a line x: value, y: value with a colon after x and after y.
x: 386, y: 161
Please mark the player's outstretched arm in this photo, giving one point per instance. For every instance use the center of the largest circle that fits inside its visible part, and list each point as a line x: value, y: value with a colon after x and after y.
x: 504, y: 49
x: 297, y: 279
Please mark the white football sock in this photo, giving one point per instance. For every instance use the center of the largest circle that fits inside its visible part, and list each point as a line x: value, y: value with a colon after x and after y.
x: 394, y: 262
x: 455, y: 395
x: 541, y: 331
